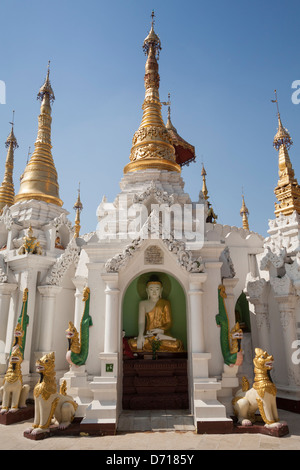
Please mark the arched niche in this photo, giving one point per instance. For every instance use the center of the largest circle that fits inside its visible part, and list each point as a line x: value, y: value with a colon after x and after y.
x: 242, y: 314
x: 172, y: 291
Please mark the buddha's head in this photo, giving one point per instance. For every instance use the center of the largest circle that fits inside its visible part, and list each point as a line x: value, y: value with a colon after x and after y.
x: 154, y: 289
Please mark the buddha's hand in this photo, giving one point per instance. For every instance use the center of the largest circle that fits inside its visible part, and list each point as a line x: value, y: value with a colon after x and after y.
x: 140, y: 342
x: 157, y: 331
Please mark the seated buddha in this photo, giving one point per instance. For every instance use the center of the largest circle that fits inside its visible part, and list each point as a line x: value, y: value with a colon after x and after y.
x: 154, y: 322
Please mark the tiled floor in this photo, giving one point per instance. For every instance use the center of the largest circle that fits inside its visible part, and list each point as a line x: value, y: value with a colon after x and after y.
x: 157, y: 438
x: 160, y: 420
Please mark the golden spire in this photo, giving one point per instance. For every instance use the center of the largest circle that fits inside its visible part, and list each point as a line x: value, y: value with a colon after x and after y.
x: 78, y: 208
x: 151, y: 144
x: 211, y: 216
x: 39, y: 180
x: 244, y: 214
x: 204, y: 187
x: 7, y: 192
x: 287, y: 190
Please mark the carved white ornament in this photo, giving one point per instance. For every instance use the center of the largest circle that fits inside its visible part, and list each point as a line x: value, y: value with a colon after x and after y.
x: 161, y: 196
x: 3, y: 275
x: 61, y: 265
x: 63, y: 220
x: 184, y: 257
x: 6, y: 218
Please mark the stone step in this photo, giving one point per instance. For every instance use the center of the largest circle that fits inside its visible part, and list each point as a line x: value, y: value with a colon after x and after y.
x: 210, y: 409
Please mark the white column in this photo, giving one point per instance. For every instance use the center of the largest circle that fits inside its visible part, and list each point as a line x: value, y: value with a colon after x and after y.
x: 196, y: 312
x: 6, y: 290
x: 79, y: 283
x: 230, y: 284
x: 288, y: 323
x: 30, y: 283
x: 47, y: 314
x: 257, y: 293
x: 112, y: 330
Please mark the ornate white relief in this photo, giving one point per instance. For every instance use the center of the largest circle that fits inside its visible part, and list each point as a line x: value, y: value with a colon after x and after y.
x: 116, y: 262
x: 270, y: 258
x: 282, y: 286
x: 284, y: 220
x: 227, y: 270
x: 284, y: 233
x: 262, y: 320
x: 293, y: 269
x: 61, y: 265
x: 184, y: 257
x: 161, y: 196
x: 3, y: 275
x: 256, y: 288
x: 286, y: 319
x: 63, y: 220
x: 6, y: 218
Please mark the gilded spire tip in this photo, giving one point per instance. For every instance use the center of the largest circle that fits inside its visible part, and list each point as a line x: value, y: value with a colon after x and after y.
x: 46, y: 88
x: 244, y: 213
x: 11, y: 139
x: 78, y: 208
x: 282, y: 136
x: 152, y: 40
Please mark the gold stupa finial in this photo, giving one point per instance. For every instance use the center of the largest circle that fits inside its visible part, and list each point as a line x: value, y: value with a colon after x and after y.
x: 211, y: 216
x: 244, y: 214
x: 204, y: 187
x: 78, y: 208
x: 39, y: 180
x: 7, y: 192
x: 152, y: 145
x: 287, y: 190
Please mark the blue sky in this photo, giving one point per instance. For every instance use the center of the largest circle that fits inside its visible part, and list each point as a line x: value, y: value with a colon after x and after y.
x: 220, y: 60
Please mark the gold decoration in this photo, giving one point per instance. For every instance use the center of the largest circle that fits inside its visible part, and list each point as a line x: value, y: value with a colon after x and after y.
x: 155, y: 321
x: 236, y: 334
x: 73, y: 336
x: 262, y: 396
x: 50, y: 404
x: 39, y: 180
x: 287, y: 190
x: 30, y: 244
x: 78, y: 208
x: 7, y: 191
x: 13, y: 391
x: 244, y: 214
x: 211, y: 216
x: 152, y: 145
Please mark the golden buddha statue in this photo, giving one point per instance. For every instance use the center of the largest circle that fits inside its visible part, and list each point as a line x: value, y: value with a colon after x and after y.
x: 155, y: 321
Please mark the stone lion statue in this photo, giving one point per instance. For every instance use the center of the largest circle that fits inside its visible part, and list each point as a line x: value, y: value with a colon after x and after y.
x: 14, y: 393
x: 50, y: 405
x: 261, y: 397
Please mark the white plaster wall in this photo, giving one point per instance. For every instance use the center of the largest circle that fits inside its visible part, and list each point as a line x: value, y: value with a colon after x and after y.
x: 64, y: 312
x: 97, y: 312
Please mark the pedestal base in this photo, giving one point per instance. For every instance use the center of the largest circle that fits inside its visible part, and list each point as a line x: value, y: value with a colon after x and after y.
x: 76, y: 428
x: 211, y: 426
x: 260, y: 428
x: 23, y: 414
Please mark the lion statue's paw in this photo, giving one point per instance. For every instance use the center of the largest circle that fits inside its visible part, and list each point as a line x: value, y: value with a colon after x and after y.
x: 64, y: 425
x: 277, y: 425
x: 36, y: 431
x: 246, y: 422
